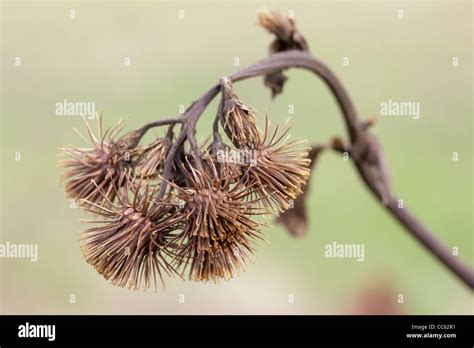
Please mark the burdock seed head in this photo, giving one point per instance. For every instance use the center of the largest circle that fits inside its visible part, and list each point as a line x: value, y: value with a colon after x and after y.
x: 238, y: 120
x: 279, y: 170
x: 86, y: 171
x: 132, y: 240
x: 220, y: 234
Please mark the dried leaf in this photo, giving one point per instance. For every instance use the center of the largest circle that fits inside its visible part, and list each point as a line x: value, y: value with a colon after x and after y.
x: 275, y: 82
x: 296, y: 219
x: 287, y: 38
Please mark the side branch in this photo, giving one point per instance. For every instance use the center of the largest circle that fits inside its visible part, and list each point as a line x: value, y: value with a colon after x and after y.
x: 190, y: 118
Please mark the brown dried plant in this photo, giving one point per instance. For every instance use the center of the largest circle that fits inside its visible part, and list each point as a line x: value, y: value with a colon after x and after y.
x: 152, y: 157
x: 220, y: 234
x: 130, y: 244
x: 173, y: 207
x: 238, y: 120
x: 279, y: 170
x: 91, y: 174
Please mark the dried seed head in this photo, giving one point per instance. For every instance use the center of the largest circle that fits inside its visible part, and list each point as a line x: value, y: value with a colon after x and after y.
x: 130, y: 244
x: 238, y: 120
x: 220, y: 233
x: 287, y: 38
x: 280, y: 169
x: 102, y: 163
x: 151, y: 158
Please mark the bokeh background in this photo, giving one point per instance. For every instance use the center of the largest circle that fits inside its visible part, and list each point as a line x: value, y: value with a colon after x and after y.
x: 173, y: 61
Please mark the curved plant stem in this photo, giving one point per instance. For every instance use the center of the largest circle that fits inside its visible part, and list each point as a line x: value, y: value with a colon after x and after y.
x: 421, y: 233
x: 300, y: 59
x: 140, y: 132
x: 356, y: 131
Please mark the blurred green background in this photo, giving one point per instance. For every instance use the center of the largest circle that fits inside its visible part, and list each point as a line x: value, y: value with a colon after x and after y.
x: 173, y: 61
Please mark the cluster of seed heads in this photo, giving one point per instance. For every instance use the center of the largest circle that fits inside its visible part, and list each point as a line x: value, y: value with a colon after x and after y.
x: 205, y: 222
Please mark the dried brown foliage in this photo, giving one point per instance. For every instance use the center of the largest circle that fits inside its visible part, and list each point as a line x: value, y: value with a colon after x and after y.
x: 295, y: 219
x: 175, y: 207
x: 287, y: 37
